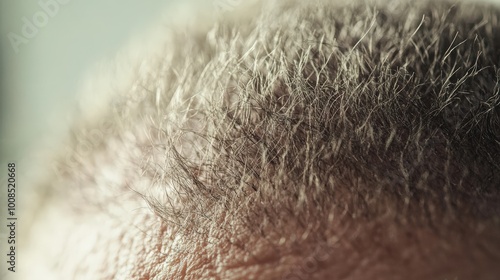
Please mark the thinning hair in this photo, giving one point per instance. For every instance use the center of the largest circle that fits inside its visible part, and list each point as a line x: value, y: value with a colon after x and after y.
x: 369, y: 129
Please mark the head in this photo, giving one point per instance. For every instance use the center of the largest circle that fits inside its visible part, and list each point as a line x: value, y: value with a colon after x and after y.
x: 304, y: 140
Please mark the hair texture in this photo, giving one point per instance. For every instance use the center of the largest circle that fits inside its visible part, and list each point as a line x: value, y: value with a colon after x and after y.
x: 369, y: 128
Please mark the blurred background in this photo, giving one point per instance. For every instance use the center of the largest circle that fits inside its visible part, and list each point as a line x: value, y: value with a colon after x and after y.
x: 47, y: 49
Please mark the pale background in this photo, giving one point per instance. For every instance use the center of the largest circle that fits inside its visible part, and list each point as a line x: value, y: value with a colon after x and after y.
x: 38, y: 84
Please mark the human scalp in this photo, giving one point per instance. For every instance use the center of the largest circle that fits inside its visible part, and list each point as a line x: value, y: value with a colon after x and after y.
x: 370, y: 130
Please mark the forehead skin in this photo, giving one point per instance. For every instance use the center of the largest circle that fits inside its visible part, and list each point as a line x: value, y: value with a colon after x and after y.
x: 318, y: 140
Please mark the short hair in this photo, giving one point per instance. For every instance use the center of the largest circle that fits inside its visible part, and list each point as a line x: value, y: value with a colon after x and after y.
x: 371, y: 129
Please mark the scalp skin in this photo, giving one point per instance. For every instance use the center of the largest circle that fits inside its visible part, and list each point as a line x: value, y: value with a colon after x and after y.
x: 317, y: 140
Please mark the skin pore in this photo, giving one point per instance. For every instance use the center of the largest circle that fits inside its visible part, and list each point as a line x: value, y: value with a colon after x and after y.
x: 304, y: 140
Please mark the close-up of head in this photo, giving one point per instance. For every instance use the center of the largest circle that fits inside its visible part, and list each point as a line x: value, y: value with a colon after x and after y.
x: 294, y: 140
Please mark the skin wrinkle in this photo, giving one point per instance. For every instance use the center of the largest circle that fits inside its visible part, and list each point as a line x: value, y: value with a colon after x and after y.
x: 370, y: 131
